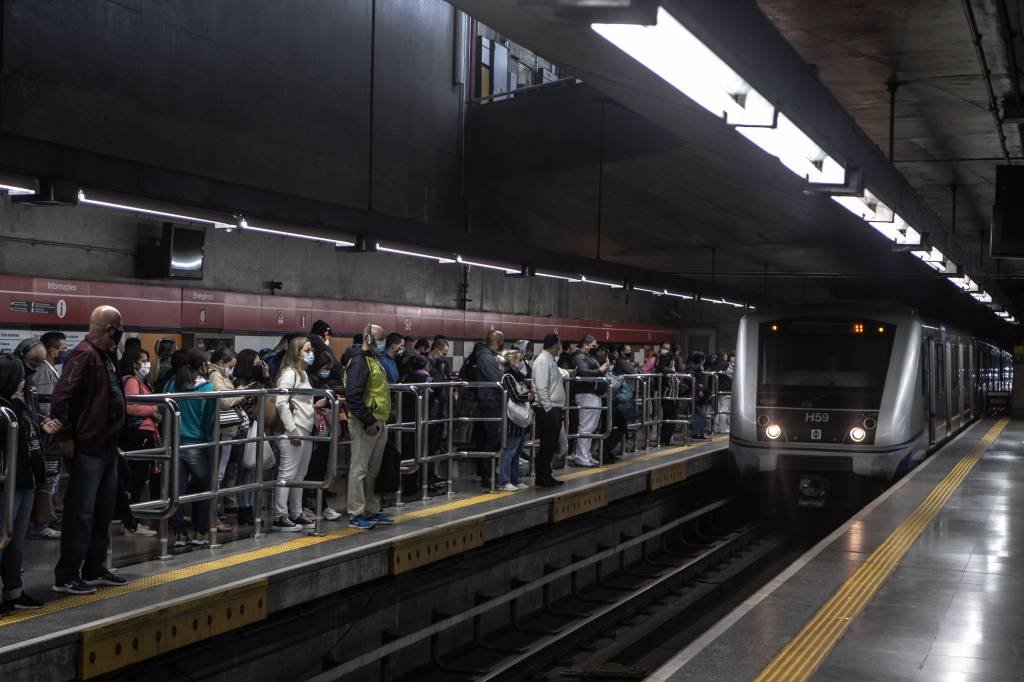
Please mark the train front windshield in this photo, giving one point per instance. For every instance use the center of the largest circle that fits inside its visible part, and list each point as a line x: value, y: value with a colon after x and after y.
x: 825, y: 362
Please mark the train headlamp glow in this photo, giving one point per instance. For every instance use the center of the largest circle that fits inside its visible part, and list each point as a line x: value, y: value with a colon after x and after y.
x: 773, y: 431
x: 857, y: 434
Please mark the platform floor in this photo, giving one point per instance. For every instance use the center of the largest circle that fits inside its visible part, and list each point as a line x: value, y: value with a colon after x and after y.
x: 298, y: 567
x: 926, y: 583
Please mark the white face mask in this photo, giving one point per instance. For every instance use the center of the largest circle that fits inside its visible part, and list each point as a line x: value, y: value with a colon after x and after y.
x: 144, y: 370
x: 229, y: 372
x: 308, y: 358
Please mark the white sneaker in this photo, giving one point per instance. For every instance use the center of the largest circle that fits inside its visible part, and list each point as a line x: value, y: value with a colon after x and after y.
x: 594, y: 462
x: 330, y: 514
x: 522, y: 486
x: 508, y: 488
x: 580, y: 462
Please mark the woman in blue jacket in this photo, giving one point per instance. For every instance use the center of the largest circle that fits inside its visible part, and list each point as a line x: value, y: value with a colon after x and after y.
x: 197, y: 422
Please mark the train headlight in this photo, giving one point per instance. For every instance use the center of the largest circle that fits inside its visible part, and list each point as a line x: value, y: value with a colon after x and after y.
x: 773, y: 431
x: 857, y: 434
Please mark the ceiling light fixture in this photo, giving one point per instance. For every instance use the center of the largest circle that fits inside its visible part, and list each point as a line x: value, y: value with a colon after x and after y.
x: 795, y: 150
x: 83, y: 198
x: 489, y: 266
x: 15, y: 190
x: 401, y: 250
x: 680, y: 58
x: 552, y: 275
x: 610, y: 285
x: 867, y: 207
x: 245, y: 226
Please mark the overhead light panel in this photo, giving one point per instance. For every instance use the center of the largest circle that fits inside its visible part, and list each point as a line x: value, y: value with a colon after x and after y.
x: 982, y: 297
x: 796, y: 151
x: 964, y: 283
x: 245, y: 226
x: 16, y: 190
x: 897, y: 230
x: 680, y: 58
x: 867, y: 207
x: 149, y: 209
x: 933, y: 258
x: 590, y: 280
x: 402, y: 250
x: 552, y: 275
x: 488, y: 266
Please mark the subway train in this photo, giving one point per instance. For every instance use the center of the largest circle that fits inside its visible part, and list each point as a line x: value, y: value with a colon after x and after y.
x: 842, y: 399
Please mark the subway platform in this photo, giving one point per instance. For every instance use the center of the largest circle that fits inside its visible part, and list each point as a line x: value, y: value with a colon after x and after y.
x: 201, y: 594
x: 925, y: 583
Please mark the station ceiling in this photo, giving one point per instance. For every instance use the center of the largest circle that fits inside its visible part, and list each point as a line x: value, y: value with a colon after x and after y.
x: 676, y: 182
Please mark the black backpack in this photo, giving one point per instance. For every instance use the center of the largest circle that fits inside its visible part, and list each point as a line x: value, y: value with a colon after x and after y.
x: 470, y: 368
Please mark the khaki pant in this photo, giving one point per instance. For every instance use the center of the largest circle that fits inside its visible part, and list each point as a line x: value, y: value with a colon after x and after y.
x: 367, y: 452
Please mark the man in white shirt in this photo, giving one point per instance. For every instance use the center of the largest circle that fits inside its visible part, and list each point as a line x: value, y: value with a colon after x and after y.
x: 547, y: 385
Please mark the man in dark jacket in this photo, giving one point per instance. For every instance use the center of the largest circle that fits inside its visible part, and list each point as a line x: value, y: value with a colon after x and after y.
x: 588, y: 398
x: 489, y: 433
x: 89, y: 403
x: 700, y: 397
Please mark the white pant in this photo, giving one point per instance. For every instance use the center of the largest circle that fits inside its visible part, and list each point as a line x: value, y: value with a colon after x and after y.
x: 294, y: 460
x: 588, y: 423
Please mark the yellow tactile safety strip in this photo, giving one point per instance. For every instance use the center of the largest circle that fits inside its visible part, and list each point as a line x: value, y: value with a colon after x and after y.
x: 70, y: 602
x: 807, y: 650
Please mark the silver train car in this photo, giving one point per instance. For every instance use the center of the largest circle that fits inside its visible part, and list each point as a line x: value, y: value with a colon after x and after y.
x: 853, y: 391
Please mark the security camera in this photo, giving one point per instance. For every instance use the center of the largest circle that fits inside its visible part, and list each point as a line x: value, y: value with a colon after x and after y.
x: 275, y: 286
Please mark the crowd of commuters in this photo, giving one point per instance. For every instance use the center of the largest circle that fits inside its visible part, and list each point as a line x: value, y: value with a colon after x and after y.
x: 73, y: 417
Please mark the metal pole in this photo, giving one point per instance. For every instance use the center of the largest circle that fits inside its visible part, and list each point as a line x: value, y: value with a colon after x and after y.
x: 215, y: 475
x: 9, y: 474
x: 258, y: 496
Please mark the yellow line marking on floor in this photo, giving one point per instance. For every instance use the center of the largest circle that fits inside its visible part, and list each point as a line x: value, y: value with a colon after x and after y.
x: 74, y: 601
x: 808, y: 649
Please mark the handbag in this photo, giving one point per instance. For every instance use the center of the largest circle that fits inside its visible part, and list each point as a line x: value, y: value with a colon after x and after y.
x: 249, y: 456
x: 232, y: 416
x: 519, y: 414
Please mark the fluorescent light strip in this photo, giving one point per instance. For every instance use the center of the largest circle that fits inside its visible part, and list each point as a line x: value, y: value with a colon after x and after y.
x: 15, y: 190
x: 655, y: 292
x: 551, y: 275
x: 680, y: 58
x: 83, y: 199
x: 982, y: 297
x: 488, y: 266
x: 246, y: 227
x: 796, y: 151
x: 897, y: 230
x: 414, y: 254
x: 867, y: 207
x: 610, y: 285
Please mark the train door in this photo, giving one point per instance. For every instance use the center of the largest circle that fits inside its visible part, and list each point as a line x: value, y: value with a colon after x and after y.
x: 942, y: 378
x: 928, y: 384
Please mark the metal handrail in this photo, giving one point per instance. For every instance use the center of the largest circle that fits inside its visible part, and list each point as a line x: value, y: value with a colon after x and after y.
x: 9, y: 474
x: 171, y: 498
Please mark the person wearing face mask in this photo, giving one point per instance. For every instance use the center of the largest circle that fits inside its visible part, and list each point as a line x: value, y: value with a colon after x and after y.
x: 88, y: 401
x: 56, y: 353
x: 588, y: 398
x: 40, y: 378
x: 297, y: 418
x: 369, y: 403
x: 321, y: 375
x: 29, y: 458
x: 394, y: 344
x: 141, y: 432
x: 233, y: 423
x: 197, y: 423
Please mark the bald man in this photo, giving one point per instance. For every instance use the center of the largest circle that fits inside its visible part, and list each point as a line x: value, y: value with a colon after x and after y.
x: 369, y: 402
x: 89, y: 403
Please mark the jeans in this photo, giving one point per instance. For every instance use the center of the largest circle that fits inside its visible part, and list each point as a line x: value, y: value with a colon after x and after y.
x: 194, y: 468
x: 549, y: 425
x: 367, y: 452
x: 292, y: 467
x: 590, y: 415
x: 88, y: 511
x: 11, y: 555
x: 700, y: 421
x: 509, y: 469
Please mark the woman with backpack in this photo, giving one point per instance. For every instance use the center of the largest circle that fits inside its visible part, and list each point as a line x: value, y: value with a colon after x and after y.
x: 197, y: 420
x: 141, y: 431
x: 30, y: 471
x: 519, y: 415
